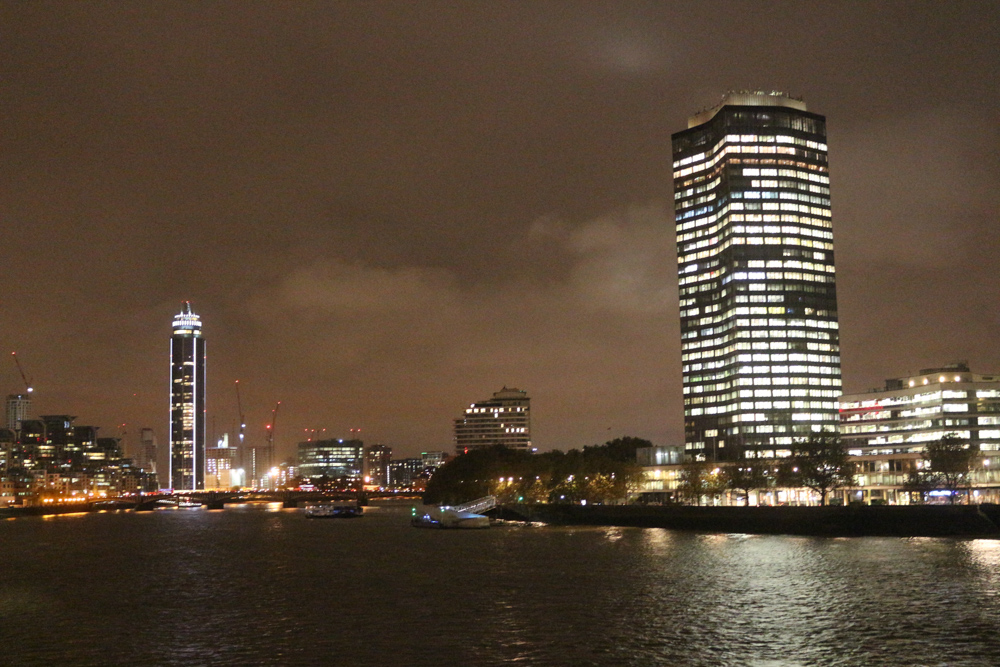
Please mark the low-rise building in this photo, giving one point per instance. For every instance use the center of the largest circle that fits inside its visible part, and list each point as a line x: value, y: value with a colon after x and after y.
x: 914, y: 410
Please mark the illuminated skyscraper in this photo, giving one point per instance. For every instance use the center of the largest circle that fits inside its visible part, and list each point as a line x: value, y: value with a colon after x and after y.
x: 187, y: 402
x: 758, y: 299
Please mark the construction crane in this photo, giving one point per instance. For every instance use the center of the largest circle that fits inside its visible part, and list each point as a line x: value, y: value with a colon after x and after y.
x: 270, y: 437
x: 239, y: 407
x: 27, y: 383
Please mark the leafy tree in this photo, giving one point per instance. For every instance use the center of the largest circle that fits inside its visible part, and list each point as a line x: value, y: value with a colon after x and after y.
x: 698, y: 480
x: 820, y: 463
x: 598, y: 473
x: 949, y: 464
x: 746, y: 475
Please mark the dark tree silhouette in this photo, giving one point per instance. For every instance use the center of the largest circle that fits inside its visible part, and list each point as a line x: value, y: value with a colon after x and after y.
x: 820, y: 463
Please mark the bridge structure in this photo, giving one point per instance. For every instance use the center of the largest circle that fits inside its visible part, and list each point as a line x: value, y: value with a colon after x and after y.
x: 217, y: 500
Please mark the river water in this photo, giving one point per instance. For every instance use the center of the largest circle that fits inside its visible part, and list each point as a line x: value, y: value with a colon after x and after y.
x: 257, y: 585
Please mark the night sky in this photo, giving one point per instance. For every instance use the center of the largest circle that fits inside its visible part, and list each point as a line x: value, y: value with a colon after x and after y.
x: 385, y: 211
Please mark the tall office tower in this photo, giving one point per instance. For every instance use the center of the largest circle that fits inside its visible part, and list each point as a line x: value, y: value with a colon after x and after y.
x: 504, y: 420
x: 147, y: 450
x: 18, y: 409
x: 758, y: 300
x: 187, y: 402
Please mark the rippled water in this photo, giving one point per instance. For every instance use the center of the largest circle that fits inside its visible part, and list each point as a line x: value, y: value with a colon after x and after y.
x: 253, y: 586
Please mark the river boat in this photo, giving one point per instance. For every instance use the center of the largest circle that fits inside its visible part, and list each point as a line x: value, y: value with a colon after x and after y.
x: 333, y: 511
x: 450, y: 518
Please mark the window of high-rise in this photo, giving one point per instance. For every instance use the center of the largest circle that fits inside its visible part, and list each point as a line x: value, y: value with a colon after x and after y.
x: 758, y: 301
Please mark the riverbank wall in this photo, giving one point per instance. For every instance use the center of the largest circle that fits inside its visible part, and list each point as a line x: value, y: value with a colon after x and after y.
x: 850, y: 521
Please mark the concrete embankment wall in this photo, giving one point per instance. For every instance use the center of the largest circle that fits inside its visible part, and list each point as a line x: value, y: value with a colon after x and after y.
x: 886, y: 520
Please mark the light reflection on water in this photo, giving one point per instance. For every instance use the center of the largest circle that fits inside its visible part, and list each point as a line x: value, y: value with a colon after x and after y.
x: 258, y: 585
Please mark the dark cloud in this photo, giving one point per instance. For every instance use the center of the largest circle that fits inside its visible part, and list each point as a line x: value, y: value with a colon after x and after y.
x: 384, y: 211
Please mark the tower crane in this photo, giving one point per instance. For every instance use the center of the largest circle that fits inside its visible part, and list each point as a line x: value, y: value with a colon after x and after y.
x: 239, y: 407
x: 270, y: 436
x: 27, y: 383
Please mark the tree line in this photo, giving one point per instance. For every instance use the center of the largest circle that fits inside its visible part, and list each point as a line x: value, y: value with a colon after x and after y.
x: 596, y: 474
x: 609, y: 473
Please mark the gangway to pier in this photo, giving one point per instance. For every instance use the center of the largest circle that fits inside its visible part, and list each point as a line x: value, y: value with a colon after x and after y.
x: 477, y: 506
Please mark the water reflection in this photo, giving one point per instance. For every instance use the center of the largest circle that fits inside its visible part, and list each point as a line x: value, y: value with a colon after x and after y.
x: 255, y: 586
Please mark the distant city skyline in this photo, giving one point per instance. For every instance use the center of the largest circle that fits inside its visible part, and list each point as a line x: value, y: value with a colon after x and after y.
x: 386, y: 210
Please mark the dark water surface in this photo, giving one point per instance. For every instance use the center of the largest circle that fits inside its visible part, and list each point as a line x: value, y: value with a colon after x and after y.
x: 252, y: 585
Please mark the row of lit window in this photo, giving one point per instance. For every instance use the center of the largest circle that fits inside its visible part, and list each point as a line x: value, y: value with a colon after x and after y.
x: 791, y: 185
x: 794, y: 356
x: 697, y: 189
x: 689, y: 292
x: 762, y: 417
x: 742, y: 275
x: 724, y: 358
x: 924, y: 397
x: 780, y: 206
x: 794, y: 173
x: 735, y: 240
x: 910, y: 425
x: 755, y: 194
x: 726, y: 403
x: 925, y: 436
x: 729, y: 381
x: 734, y: 144
x: 724, y: 216
x: 732, y: 238
x: 749, y: 150
x: 759, y: 310
x: 711, y: 196
x: 728, y: 223
x: 723, y: 355
x: 851, y: 429
x: 720, y: 380
x: 737, y: 139
x: 734, y: 164
x: 712, y: 249
x: 711, y: 371
x: 752, y: 206
x: 750, y: 406
x: 759, y: 322
x: 779, y: 194
x: 732, y: 396
x: 688, y: 344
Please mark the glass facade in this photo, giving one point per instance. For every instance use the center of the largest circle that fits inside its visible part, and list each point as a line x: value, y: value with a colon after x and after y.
x: 336, y: 459
x: 187, y: 402
x: 758, y: 301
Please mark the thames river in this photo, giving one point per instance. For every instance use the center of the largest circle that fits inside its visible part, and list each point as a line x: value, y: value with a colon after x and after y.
x: 258, y: 585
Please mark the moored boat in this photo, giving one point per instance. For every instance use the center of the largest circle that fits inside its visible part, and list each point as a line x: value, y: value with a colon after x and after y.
x: 450, y: 518
x: 333, y: 511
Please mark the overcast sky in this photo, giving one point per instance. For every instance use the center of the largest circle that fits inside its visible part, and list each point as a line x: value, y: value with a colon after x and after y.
x: 386, y: 211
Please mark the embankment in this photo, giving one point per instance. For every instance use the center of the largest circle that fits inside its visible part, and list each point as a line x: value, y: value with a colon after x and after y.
x: 852, y: 521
